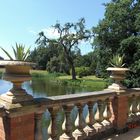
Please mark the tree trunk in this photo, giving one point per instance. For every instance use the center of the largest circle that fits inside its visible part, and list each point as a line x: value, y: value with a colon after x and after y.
x: 71, y: 63
x: 73, y: 72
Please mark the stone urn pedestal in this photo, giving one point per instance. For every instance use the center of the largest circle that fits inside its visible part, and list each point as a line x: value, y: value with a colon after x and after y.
x: 19, y: 108
x: 118, y: 75
x: 16, y: 72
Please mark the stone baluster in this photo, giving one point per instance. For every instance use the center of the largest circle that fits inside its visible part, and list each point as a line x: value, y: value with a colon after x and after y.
x: 89, y: 130
x: 111, y: 103
x: 79, y: 134
x: 67, y: 125
x: 134, y: 105
x: 138, y: 106
x: 38, y: 125
x: 133, y: 109
x: 52, y: 129
x: 107, y: 114
x: 99, y: 116
x: 130, y: 106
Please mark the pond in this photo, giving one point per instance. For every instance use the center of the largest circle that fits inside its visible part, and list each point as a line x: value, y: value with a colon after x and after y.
x: 40, y: 87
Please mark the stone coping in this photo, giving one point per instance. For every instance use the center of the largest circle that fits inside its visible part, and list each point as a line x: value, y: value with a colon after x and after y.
x: 75, y: 98
x: 117, y: 69
x: 15, y: 63
x: 84, y: 97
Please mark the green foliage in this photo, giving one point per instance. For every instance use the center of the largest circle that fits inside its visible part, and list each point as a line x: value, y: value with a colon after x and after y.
x: 91, y: 82
x: 42, y: 73
x: 118, y: 33
x: 56, y: 64
x: 82, y: 71
x: 70, y: 35
x: 42, y: 55
x: 117, y: 61
x: 19, y: 52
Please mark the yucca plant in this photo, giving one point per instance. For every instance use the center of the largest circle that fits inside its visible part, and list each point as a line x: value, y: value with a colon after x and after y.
x: 19, y: 52
x: 117, y: 61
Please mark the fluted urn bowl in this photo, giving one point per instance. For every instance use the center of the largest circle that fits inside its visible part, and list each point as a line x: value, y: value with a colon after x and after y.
x: 16, y: 72
x: 118, y: 75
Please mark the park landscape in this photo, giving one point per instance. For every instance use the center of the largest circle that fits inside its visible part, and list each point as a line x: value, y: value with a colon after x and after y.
x: 60, y: 68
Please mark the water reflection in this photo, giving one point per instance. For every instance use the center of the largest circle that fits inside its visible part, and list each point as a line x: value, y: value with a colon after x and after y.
x: 40, y: 87
x: 5, y: 86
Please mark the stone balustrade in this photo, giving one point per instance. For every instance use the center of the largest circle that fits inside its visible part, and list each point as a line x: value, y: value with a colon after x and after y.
x: 133, y: 109
x: 97, y: 114
x: 99, y: 117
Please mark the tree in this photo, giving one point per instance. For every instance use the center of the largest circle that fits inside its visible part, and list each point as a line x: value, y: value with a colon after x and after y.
x: 42, y: 54
x: 70, y: 35
x: 119, y: 32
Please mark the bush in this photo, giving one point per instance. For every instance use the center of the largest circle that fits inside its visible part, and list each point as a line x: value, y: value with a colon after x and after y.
x: 82, y: 71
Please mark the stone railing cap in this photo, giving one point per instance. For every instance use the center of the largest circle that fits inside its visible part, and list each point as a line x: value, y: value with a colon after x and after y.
x: 15, y: 62
x: 117, y: 69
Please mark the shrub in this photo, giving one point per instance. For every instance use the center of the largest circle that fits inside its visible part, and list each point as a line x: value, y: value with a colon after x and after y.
x: 82, y: 71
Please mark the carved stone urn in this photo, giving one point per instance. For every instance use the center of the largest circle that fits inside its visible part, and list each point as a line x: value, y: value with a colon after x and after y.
x: 16, y: 72
x: 118, y: 75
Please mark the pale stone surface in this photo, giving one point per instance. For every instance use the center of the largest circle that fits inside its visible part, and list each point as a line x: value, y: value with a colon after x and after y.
x: 8, y: 62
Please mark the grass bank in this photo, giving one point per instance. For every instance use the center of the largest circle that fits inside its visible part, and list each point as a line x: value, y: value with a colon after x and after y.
x: 58, y: 78
x: 87, y: 81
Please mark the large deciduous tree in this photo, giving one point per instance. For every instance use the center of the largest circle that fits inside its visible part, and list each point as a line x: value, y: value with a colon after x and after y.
x: 119, y: 32
x: 70, y: 35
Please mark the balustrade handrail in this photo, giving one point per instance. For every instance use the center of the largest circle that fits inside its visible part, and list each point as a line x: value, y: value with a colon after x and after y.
x: 75, y: 98
x: 133, y: 91
x: 87, y: 96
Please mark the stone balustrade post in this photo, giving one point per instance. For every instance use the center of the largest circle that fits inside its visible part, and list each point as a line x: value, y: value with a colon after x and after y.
x: 67, y: 124
x: 79, y: 134
x: 19, y: 120
x: 38, y: 125
x: 52, y: 129
x: 99, y: 116
x: 134, y: 105
x: 107, y: 114
x: 120, y: 107
x: 89, y: 130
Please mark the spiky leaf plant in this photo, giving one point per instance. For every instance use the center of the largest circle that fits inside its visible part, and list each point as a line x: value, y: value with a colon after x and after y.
x: 19, y: 52
x: 117, y: 61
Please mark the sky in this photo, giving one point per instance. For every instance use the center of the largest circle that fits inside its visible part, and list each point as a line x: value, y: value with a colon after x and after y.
x: 22, y: 20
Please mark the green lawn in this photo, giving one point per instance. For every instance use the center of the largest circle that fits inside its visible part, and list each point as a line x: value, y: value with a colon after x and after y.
x: 38, y: 73
x: 87, y: 81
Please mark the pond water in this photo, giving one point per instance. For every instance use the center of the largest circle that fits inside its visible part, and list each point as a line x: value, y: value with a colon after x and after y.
x: 40, y: 87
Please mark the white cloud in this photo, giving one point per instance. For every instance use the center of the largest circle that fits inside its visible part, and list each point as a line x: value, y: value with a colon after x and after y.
x: 51, y: 33
x: 33, y: 32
